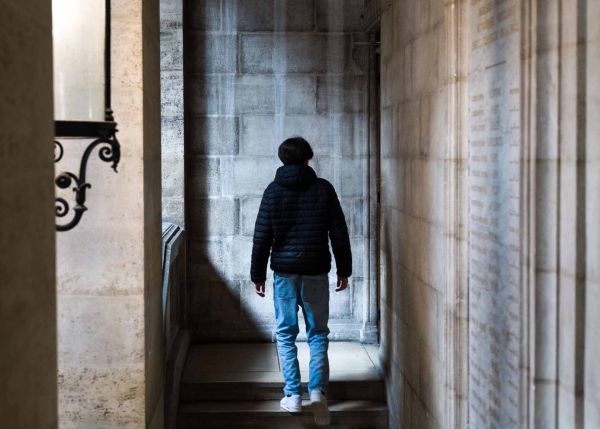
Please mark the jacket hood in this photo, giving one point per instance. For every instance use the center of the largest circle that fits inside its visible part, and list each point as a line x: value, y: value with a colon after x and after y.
x: 296, y: 176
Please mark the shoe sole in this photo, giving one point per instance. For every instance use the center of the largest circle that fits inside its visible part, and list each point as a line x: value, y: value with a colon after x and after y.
x: 291, y: 410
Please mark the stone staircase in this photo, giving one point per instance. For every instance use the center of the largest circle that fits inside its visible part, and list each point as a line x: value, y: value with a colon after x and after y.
x: 239, y: 386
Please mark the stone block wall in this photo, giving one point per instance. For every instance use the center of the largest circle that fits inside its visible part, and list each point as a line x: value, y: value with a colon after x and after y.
x: 489, y: 254
x: 257, y: 72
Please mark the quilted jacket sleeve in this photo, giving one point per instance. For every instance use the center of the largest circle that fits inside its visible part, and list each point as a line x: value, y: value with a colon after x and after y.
x: 263, y: 238
x: 338, y: 233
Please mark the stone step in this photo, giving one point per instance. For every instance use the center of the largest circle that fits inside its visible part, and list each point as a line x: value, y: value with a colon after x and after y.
x: 268, y: 386
x: 352, y: 414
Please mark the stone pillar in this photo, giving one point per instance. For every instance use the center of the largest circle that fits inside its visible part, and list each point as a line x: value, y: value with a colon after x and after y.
x: 564, y: 285
x: 27, y: 240
x: 109, y: 266
x: 171, y: 76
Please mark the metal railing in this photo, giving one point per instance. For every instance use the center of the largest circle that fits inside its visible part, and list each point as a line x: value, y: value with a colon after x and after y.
x: 173, y: 283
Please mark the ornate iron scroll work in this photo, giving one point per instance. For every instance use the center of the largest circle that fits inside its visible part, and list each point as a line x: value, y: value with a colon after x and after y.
x: 109, y: 151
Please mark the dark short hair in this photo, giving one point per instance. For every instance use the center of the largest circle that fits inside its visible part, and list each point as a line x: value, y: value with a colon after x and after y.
x: 295, y: 150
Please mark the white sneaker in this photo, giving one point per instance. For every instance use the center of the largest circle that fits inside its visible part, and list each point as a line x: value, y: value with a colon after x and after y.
x: 292, y: 403
x: 318, y: 405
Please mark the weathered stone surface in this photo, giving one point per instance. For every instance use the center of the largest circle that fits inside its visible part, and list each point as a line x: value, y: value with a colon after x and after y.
x: 296, y: 94
x: 424, y: 72
x: 258, y: 135
x: 294, y: 15
x: 317, y: 130
x: 340, y: 94
x: 171, y: 93
x: 261, y: 135
x: 214, y: 217
x: 227, y: 169
x: 203, y: 94
x: 172, y: 173
x: 340, y: 15
x: 212, y: 53
x: 358, y: 285
x: 248, y: 15
x: 351, y: 181
x: 359, y: 217
x: 347, y: 205
x: 171, y: 49
x: 251, y: 175
x: 248, y: 94
x: 204, y: 15
x: 83, y: 345
x: 358, y: 256
x: 90, y: 397
x: 172, y: 109
x: 204, y: 177
x: 257, y: 53
x: 324, y: 167
x: 171, y: 10
x: 171, y: 24
x: 325, y: 54
x: 240, y: 251
x: 349, y: 133
x: 249, y: 207
x: 268, y: 15
x: 171, y: 133
x: 294, y: 53
x: 213, y: 135
x: 207, y: 258
x: 173, y: 210
x: 340, y: 303
x: 215, y: 300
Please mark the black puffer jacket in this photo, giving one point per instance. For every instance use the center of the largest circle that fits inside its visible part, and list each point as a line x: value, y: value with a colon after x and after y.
x: 298, y: 213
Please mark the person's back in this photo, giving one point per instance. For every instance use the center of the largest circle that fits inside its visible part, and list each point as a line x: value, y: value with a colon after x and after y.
x: 298, y: 214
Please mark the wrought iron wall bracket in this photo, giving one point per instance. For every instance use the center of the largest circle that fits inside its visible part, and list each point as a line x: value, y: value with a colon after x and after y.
x: 104, y: 135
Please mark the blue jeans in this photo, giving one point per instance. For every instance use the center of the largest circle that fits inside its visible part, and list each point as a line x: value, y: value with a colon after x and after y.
x: 311, y: 293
